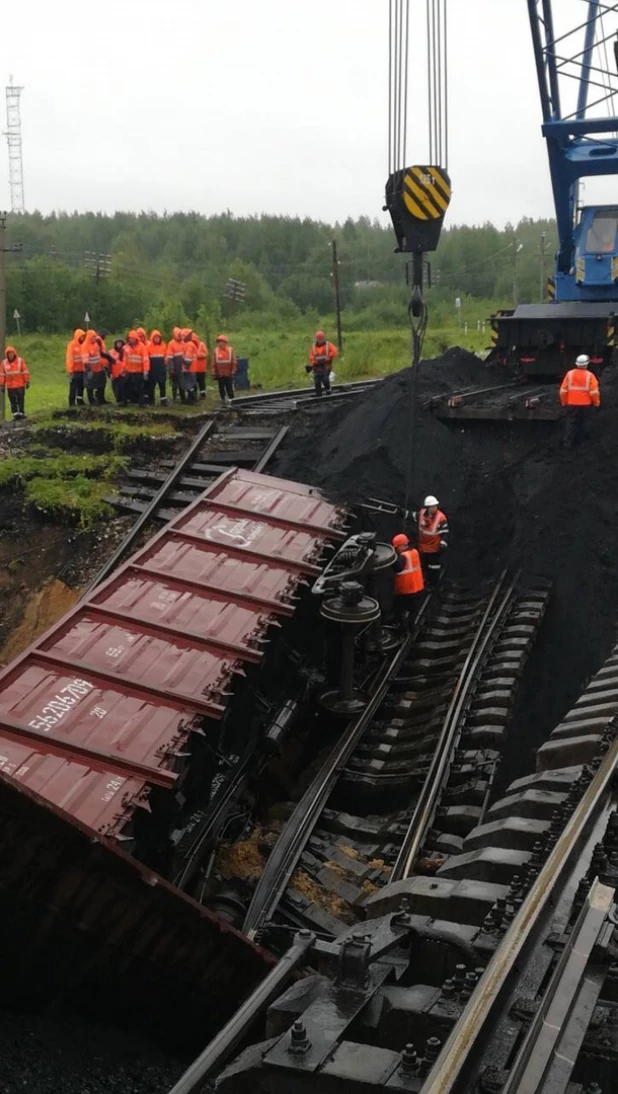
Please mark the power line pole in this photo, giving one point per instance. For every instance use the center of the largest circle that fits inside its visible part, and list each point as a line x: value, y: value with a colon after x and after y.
x: 337, y: 296
x: 542, y: 286
x: 13, y: 137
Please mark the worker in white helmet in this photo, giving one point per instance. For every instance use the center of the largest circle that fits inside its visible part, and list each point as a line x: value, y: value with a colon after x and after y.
x: 432, y: 538
x: 579, y: 393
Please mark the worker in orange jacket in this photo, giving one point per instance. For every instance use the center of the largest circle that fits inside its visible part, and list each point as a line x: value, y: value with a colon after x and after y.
x: 433, y: 534
x: 175, y: 358
x: 95, y: 374
x: 200, y: 364
x: 142, y: 336
x: 224, y: 368
x: 188, y: 384
x: 321, y: 357
x: 579, y: 393
x: 157, y: 354
x: 137, y: 366
x: 75, y: 367
x: 409, y: 581
x: 15, y: 378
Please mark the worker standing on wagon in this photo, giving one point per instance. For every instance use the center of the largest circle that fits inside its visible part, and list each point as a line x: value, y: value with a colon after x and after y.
x: 224, y: 368
x: 75, y: 367
x: 14, y: 376
x: 409, y: 581
x: 321, y: 357
x: 432, y: 538
x: 579, y: 393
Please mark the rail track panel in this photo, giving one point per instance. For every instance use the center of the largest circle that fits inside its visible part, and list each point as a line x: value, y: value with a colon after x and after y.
x: 496, y: 974
x: 102, y: 717
x: 419, y: 778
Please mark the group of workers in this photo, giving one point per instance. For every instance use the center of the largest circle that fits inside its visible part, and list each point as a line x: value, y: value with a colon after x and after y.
x: 139, y: 367
x: 416, y: 567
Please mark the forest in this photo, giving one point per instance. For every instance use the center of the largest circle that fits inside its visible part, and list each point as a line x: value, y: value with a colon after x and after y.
x: 163, y: 270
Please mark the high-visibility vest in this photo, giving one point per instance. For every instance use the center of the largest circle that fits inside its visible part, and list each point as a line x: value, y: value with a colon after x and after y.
x: 431, y: 530
x: 410, y: 579
x: 223, y: 361
x: 580, y: 387
x: 14, y: 374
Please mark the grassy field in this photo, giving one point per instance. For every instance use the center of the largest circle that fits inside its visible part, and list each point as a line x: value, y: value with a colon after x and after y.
x: 276, y: 358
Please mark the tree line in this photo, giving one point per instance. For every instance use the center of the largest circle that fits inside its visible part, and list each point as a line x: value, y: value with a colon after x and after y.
x: 175, y: 269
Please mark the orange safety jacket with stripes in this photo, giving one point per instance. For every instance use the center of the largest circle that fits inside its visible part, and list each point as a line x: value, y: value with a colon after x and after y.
x: 580, y: 387
x: 410, y: 578
x: 432, y: 531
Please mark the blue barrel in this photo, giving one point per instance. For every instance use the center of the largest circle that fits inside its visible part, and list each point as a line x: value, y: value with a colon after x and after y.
x: 241, y: 379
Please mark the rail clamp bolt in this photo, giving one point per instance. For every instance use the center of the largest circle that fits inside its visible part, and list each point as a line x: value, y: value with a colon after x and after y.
x: 300, y: 1043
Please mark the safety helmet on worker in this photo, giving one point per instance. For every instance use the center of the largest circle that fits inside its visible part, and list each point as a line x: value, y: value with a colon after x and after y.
x: 320, y: 336
x: 221, y: 338
x: 430, y: 500
x: 582, y: 361
x: 400, y: 540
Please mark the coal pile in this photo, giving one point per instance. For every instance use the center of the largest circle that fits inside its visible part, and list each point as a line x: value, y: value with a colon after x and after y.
x: 55, y: 1055
x: 514, y: 497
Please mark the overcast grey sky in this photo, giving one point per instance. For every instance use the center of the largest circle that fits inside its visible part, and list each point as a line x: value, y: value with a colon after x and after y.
x: 269, y: 106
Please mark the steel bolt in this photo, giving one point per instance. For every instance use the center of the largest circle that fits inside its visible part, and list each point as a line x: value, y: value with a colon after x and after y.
x: 300, y: 1043
x: 460, y: 974
x: 432, y: 1049
x: 469, y: 986
x: 448, y: 989
x: 409, y: 1059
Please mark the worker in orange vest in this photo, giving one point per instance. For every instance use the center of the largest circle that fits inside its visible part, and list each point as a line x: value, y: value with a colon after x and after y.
x: 75, y: 367
x: 409, y: 581
x: 188, y: 386
x: 579, y: 392
x: 158, y: 375
x: 321, y: 357
x: 137, y: 365
x: 200, y: 364
x: 95, y: 375
x: 224, y: 368
x: 14, y: 376
x: 175, y: 357
x: 118, y: 372
x: 432, y: 538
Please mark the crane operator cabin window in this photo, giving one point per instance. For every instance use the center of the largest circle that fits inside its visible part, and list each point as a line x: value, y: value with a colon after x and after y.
x: 601, y: 237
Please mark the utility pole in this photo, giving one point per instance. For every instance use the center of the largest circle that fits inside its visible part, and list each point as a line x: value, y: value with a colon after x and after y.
x: 337, y: 296
x: 13, y: 137
x: 518, y: 246
x: 542, y: 285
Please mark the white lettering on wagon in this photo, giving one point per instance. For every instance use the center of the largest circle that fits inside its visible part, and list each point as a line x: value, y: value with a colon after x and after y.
x: 58, y: 707
x: 239, y: 532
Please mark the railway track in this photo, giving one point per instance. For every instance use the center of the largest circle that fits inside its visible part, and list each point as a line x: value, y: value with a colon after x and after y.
x: 410, y: 779
x: 497, y: 975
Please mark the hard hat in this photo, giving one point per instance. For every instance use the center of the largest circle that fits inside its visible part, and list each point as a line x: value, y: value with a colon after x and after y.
x: 221, y: 338
x: 400, y: 540
x: 320, y: 336
x: 430, y: 500
x: 583, y: 360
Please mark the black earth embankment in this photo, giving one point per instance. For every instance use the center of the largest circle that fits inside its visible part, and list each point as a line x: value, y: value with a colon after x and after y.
x: 514, y: 496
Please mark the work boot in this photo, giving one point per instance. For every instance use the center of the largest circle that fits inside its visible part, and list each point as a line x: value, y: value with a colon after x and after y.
x: 202, y: 394
x: 80, y: 400
x: 163, y: 400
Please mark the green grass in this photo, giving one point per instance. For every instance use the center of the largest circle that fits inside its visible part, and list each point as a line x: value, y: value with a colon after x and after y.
x: 277, y: 359
x: 15, y: 470
x: 67, y: 487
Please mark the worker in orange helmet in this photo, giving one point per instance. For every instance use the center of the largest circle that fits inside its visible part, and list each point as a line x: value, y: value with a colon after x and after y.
x: 175, y: 357
x: 75, y: 367
x: 158, y: 376
x: 224, y: 367
x: 321, y: 357
x: 95, y: 375
x: 14, y: 376
x: 137, y: 365
x: 579, y: 392
x: 188, y: 387
x: 409, y: 581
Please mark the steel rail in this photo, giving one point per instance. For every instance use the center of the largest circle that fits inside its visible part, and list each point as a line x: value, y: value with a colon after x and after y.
x: 221, y: 1047
x: 150, y: 510
x: 301, y: 393
x: 292, y: 841
x: 425, y: 807
x: 444, y: 1077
